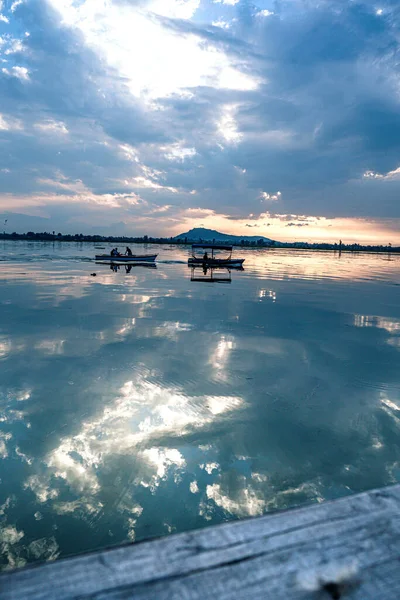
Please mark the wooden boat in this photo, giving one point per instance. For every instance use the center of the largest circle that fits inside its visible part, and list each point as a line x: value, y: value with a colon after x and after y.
x: 125, y: 258
x: 213, y: 261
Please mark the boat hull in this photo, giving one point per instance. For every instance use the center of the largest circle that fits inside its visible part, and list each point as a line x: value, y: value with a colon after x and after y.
x: 229, y: 262
x: 125, y: 258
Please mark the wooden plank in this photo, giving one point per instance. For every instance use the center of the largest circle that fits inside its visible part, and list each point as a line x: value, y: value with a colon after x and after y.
x: 349, y: 548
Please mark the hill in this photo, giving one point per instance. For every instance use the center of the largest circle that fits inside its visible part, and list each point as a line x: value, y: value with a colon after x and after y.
x: 200, y: 234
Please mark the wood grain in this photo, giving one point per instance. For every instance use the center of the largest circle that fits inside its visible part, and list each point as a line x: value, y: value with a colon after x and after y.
x: 349, y: 548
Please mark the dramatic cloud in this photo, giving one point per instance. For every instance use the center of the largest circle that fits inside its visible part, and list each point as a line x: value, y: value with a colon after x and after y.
x: 138, y: 112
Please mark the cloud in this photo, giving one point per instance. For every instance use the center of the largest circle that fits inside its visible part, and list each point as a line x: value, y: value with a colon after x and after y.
x: 21, y: 73
x: 228, y: 2
x: 241, y: 101
x: 270, y: 197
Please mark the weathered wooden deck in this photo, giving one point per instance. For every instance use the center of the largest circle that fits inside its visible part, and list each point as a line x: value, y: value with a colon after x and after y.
x: 349, y: 548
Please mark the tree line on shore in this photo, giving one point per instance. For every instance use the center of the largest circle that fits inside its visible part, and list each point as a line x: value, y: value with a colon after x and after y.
x: 79, y: 237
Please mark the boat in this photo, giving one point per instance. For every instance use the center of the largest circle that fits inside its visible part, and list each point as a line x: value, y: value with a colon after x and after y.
x: 125, y: 258
x: 213, y: 261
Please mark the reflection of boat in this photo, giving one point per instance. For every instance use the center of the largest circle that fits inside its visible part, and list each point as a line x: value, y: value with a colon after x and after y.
x: 202, y: 273
x: 123, y: 258
x: 207, y: 275
x: 213, y: 261
x: 128, y: 266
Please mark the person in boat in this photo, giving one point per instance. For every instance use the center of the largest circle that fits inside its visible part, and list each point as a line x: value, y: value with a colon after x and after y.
x: 128, y: 251
x: 205, y: 257
x: 114, y: 252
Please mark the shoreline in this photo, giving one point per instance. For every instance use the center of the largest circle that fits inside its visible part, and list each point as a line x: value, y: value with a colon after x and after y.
x: 43, y: 237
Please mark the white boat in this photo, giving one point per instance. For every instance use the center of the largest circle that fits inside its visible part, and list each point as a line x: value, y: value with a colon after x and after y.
x: 213, y: 261
x: 124, y: 258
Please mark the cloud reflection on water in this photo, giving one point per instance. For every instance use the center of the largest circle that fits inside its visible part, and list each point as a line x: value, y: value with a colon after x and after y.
x: 137, y: 406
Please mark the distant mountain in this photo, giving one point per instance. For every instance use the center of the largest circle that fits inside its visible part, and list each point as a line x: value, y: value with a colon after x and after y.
x: 211, y: 235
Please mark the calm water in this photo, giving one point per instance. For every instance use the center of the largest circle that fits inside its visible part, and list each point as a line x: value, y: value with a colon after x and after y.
x: 138, y: 404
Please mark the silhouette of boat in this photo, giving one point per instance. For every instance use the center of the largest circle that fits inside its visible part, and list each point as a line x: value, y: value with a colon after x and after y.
x: 124, y: 258
x: 213, y: 261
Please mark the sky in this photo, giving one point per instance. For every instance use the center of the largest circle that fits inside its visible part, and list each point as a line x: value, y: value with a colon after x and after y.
x: 273, y: 118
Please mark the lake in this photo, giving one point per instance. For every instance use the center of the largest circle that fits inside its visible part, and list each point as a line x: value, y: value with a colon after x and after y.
x: 137, y: 404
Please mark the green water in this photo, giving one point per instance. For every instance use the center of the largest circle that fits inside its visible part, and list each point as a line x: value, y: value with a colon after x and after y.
x: 138, y: 404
